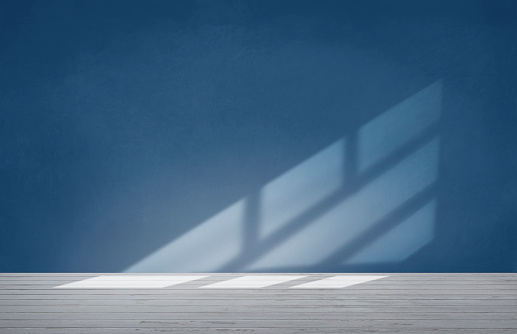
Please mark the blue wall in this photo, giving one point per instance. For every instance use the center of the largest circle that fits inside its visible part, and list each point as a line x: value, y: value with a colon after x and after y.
x: 333, y: 136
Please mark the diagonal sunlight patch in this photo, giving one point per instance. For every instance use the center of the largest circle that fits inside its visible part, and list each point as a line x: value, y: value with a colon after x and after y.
x: 337, y: 282
x: 308, y: 215
x: 355, y: 215
x: 397, y: 160
x: 204, y: 248
x: 402, y: 241
x: 297, y: 190
x: 399, y: 125
x: 129, y: 282
x: 252, y: 282
x: 218, y: 240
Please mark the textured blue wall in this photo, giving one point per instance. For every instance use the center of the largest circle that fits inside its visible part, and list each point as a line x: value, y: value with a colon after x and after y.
x: 258, y: 136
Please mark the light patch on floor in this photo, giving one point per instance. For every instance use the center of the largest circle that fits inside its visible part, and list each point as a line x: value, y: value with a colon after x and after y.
x: 252, y: 282
x: 129, y: 282
x: 336, y: 282
x: 243, y: 282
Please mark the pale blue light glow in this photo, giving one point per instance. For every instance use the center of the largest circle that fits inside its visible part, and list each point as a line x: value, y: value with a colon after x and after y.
x: 347, y: 214
x: 402, y: 241
x: 204, y: 248
x: 297, y: 190
x: 357, y: 214
x: 398, y: 126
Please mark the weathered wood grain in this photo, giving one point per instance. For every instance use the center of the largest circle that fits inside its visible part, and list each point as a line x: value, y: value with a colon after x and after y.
x: 247, y: 330
x: 400, y: 303
x: 269, y: 323
x: 246, y: 315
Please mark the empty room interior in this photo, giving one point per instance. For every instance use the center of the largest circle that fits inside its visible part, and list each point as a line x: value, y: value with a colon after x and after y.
x: 258, y: 166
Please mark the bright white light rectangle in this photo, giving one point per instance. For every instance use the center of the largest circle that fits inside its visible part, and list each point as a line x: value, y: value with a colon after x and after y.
x: 251, y: 282
x: 336, y: 282
x: 129, y: 282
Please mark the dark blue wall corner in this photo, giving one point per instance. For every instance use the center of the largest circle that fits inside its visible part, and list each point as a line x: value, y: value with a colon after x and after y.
x: 241, y: 136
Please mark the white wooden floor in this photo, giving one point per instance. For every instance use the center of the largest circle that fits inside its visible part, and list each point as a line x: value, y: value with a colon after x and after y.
x: 258, y: 303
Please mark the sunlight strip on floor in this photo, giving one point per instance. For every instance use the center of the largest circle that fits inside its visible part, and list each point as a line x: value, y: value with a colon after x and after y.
x: 130, y: 282
x: 252, y: 282
x: 337, y: 282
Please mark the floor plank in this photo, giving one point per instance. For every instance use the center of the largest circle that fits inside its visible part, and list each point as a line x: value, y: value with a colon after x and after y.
x: 397, y: 303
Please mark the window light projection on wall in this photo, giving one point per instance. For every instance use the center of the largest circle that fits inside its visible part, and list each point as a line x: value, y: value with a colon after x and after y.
x: 334, y: 209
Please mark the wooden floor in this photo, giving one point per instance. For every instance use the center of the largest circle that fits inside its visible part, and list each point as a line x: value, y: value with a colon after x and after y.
x: 397, y: 303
